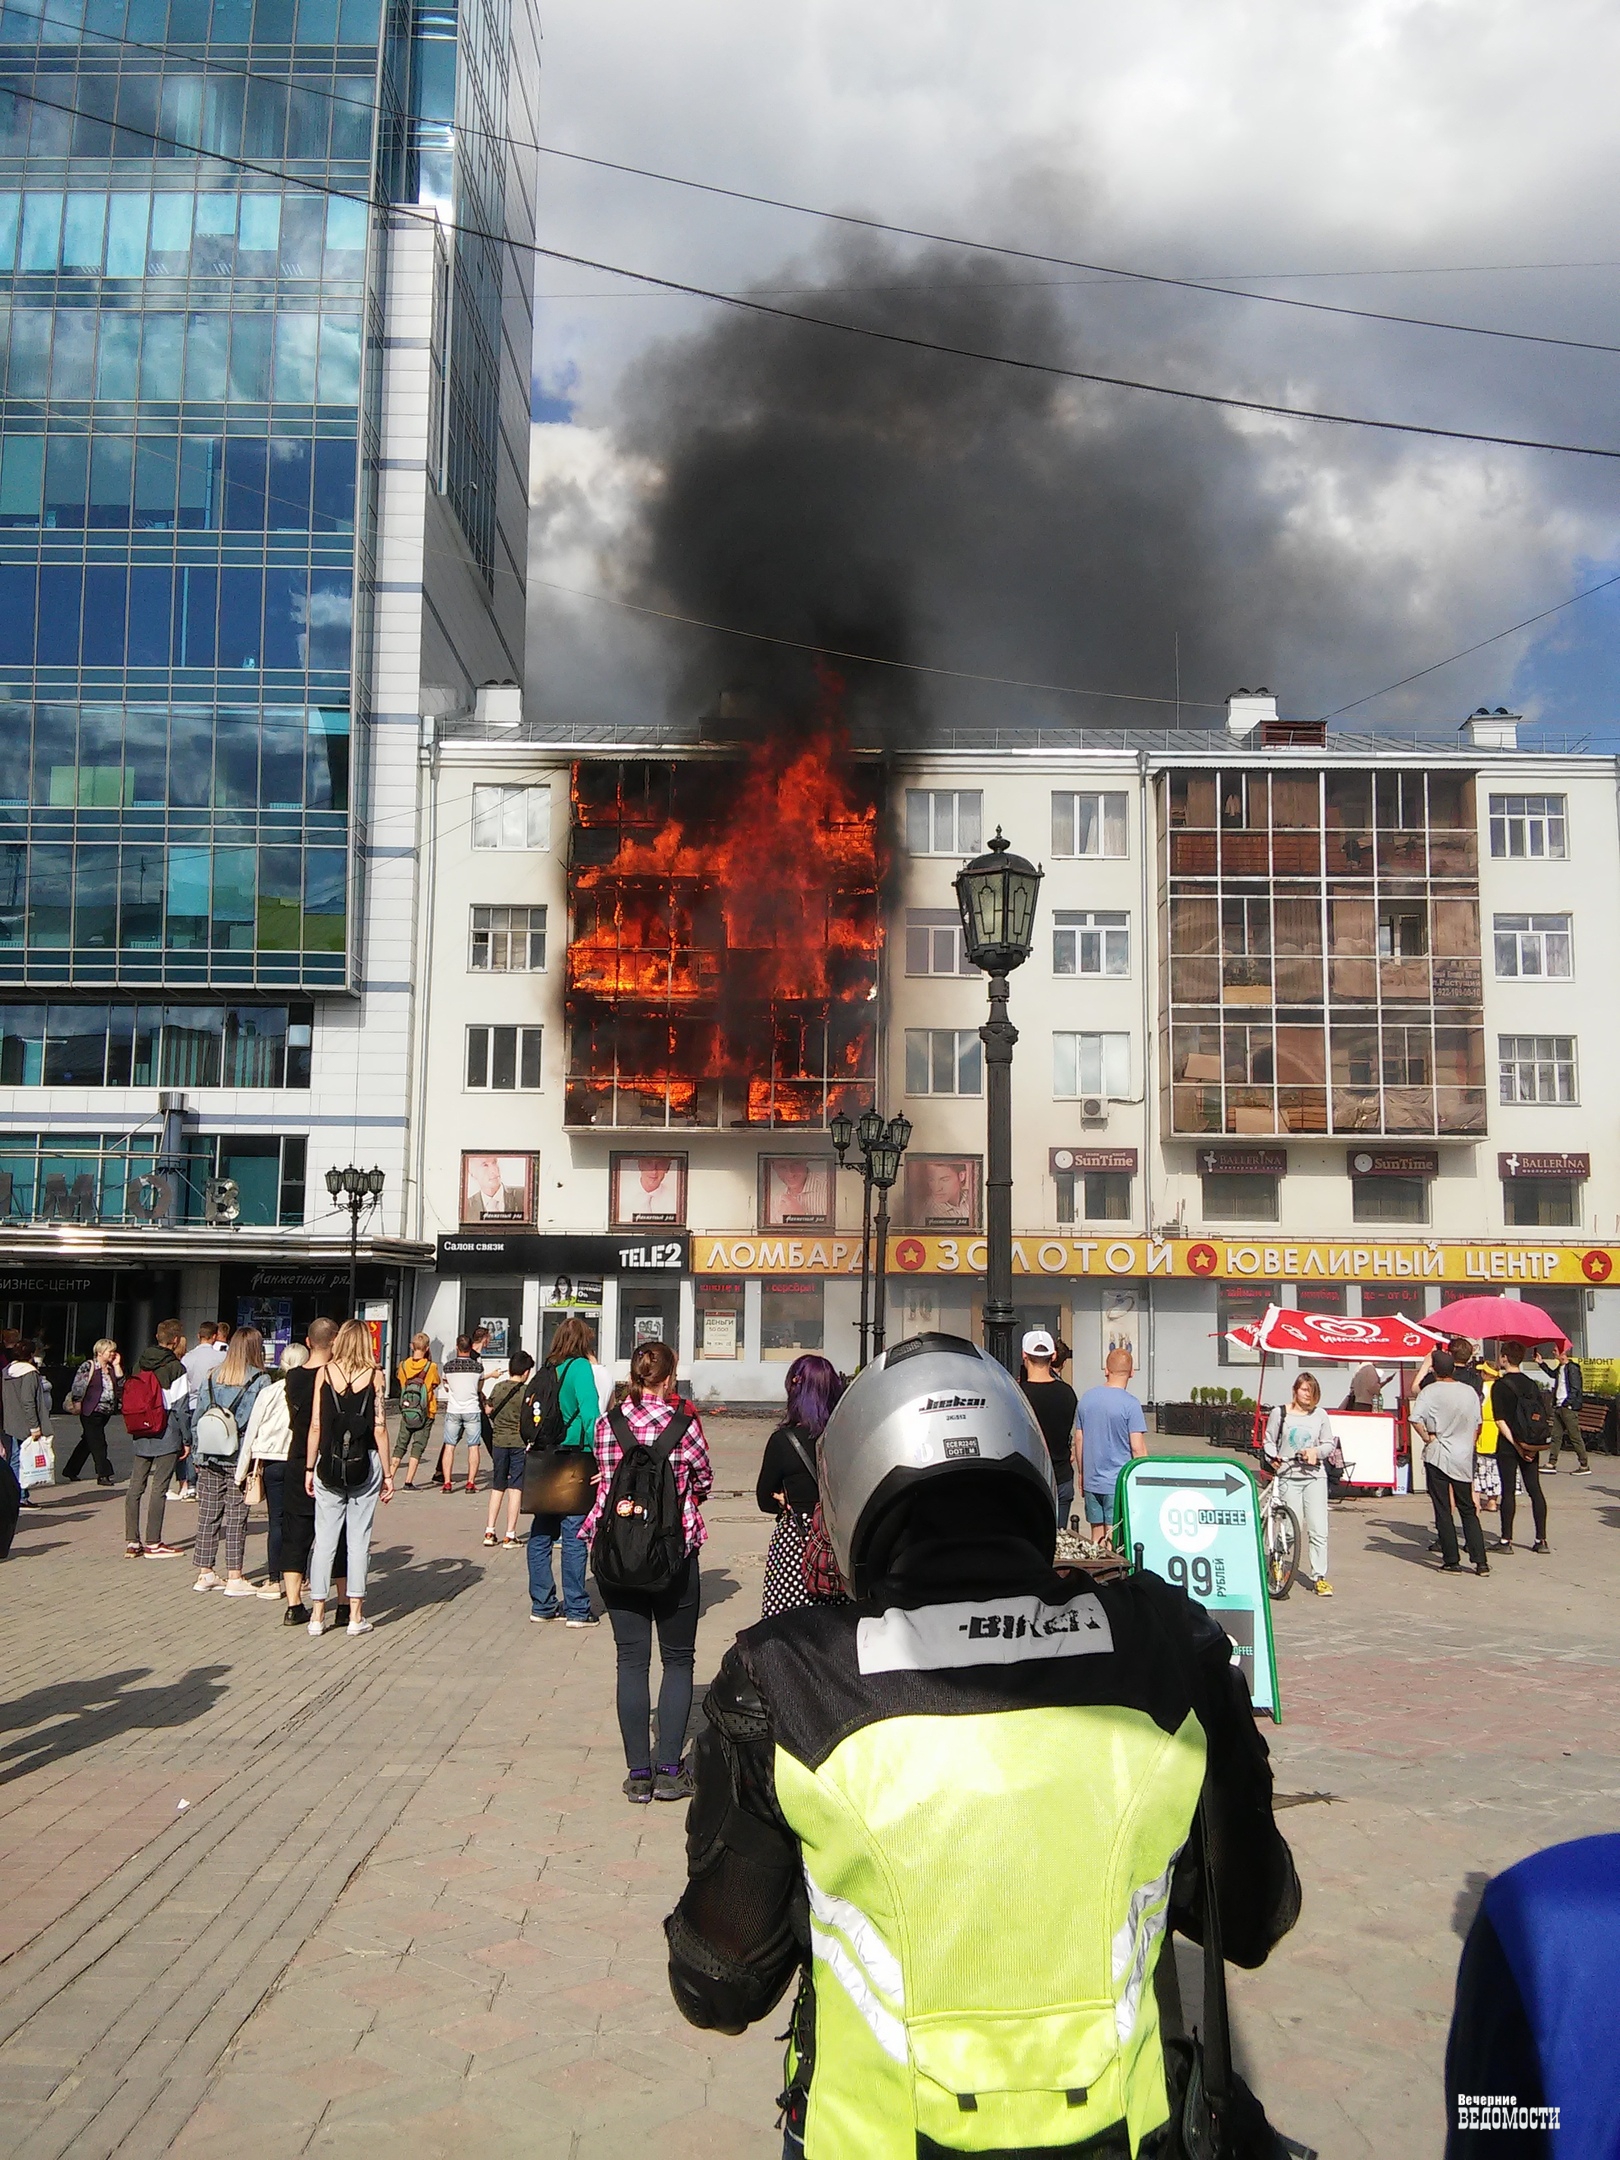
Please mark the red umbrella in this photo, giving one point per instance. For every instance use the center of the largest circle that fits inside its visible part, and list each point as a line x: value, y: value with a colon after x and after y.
x: 1503, y: 1319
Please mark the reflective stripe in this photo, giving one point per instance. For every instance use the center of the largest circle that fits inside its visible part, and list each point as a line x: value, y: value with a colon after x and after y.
x: 885, y: 2028
x: 1134, y: 1942
x: 874, y: 1953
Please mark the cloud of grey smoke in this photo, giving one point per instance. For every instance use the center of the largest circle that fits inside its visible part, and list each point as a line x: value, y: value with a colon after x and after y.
x: 844, y: 492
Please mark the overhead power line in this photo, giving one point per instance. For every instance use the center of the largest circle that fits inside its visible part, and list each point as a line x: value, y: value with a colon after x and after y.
x: 1107, y: 273
x: 1069, y: 262
x: 1479, y: 645
x: 1050, y: 369
x: 836, y: 652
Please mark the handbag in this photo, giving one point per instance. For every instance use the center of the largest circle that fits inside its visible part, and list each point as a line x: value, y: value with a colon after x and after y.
x: 1213, y: 2114
x: 253, y: 1487
x: 558, y: 1480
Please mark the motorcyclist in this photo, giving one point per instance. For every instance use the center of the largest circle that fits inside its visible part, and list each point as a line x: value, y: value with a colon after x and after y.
x: 961, y: 1804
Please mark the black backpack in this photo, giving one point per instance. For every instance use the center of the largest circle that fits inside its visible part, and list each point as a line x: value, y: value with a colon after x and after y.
x: 348, y: 1441
x: 640, y: 1541
x: 540, y: 1420
x: 1535, y: 1415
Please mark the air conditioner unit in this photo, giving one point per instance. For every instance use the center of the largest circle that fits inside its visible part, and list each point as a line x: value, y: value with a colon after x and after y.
x: 1094, y: 1110
x: 222, y: 1202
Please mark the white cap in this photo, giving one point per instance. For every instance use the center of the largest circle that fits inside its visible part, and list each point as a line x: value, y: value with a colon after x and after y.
x: 1037, y: 1343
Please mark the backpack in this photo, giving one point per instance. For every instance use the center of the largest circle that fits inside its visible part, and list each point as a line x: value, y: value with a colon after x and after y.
x: 347, y: 1441
x: 541, y: 1423
x: 1535, y: 1419
x: 146, y: 1414
x: 640, y: 1541
x: 220, y: 1426
x: 413, y: 1403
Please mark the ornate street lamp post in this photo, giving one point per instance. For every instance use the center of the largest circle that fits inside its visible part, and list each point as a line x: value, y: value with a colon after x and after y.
x: 885, y: 1162
x: 996, y: 894
x: 358, y: 1190
x: 870, y: 1133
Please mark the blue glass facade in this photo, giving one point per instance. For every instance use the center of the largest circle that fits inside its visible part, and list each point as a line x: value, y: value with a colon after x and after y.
x: 184, y: 419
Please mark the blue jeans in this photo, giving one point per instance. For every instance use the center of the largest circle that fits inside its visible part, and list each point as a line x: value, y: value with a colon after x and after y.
x: 543, y: 1532
x: 1065, y: 1500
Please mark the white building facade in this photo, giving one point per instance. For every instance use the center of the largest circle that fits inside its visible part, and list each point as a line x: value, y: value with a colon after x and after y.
x: 1304, y: 1022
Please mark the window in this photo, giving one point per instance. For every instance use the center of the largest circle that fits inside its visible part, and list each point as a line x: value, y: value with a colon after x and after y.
x: 944, y: 821
x: 719, y: 1309
x: 934, y: 943
x: 944, y: 1061
x: 1390, y: 1199
x: 1530, y: 1203
x: 508, y: 939
x: 185, y: 1046
x: 1403, y: 930
x: 1088, y: 824
x: 1537, y: 1068
x: 511, y: 817
x: 791, y: 1319
x: 1534, y: 946
x: 1528, y: 825
x: 1090, y: 944
x: 1239, y: 1196
x: 1237, y: 1305
x: 503, y: 1058
x: 1091, y: 1065
x: 1093, y: 1196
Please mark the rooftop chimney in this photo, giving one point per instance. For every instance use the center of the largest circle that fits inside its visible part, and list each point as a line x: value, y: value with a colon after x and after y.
x: 1487, y: 730
x: 1247, y: 709
x: 499, y: 708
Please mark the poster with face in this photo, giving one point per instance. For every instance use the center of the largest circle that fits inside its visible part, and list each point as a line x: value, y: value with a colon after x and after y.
x: 796, y: 1192
x: 497, y: 1188
x: 649, y: 1191
x: 942, y: 1192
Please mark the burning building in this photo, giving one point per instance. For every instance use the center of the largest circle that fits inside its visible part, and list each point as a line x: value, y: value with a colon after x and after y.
x: 725, y: 932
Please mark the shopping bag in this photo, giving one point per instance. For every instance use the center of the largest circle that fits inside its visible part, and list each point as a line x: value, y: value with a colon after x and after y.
x: 37, y: 1464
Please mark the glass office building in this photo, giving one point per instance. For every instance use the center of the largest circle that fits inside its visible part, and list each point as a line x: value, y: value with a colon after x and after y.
x: 199, y: 225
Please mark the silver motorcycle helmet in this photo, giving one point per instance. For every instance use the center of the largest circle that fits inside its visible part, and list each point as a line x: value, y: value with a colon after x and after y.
x: 935, y: 1406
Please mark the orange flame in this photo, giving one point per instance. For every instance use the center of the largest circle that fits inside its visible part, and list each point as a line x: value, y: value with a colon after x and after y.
x: 726, y: 929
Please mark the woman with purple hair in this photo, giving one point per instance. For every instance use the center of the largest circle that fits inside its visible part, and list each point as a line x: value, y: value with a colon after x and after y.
x: 787, y: 1479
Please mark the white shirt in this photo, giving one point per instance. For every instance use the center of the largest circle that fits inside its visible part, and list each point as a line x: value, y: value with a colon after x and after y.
x: 199, y: 1363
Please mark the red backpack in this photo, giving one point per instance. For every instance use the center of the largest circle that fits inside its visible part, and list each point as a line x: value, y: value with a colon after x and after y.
x: 146, y: 1414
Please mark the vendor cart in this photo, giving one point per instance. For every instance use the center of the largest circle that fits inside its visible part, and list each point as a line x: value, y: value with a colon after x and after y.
x: 1376, y: 1444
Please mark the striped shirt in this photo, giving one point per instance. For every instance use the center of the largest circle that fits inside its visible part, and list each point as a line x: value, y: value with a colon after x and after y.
x: 694, y: 1474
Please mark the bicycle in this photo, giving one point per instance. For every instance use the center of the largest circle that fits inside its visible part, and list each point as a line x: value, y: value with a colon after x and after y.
x: 1280, y: 1535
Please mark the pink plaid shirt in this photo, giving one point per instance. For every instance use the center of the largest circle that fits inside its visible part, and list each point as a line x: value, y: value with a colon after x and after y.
x: 694, y: 1474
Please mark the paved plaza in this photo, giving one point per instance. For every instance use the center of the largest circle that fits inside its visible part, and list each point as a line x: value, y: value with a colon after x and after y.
x: 275, y: 1896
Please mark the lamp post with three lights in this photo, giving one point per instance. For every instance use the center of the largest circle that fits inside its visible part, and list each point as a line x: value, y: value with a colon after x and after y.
x: 358, y: 1190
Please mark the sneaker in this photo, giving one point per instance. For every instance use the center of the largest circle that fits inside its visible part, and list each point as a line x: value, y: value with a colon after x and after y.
x: 489, y: 1538
x: 1449, y: 1567
x: 1541, y: 1545
x: 270, y: 1590
x: 295, y: 1616
x: 207, y: 1580
x: 164, y: 1552
x: 1581, y: 1470
x: 360, y: 1627
x: 541, y: 1617
x: 638, y: 1788
x: 1504, y: 1545
x: 1323, y: 1587
x: 189, y: 1492
x: 673, y: 1784
x: 1482, y: 1567
x: 134, y: 1552
x: 510, y: 1542
x: 242, y: 1589
x: 106, y: 1481
x: 323, y: 1626
x: 1549, y: 1469
x: 589, y: 1619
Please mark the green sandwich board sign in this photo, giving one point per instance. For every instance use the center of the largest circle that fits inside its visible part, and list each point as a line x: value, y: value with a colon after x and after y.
x: 1198, y: 1524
